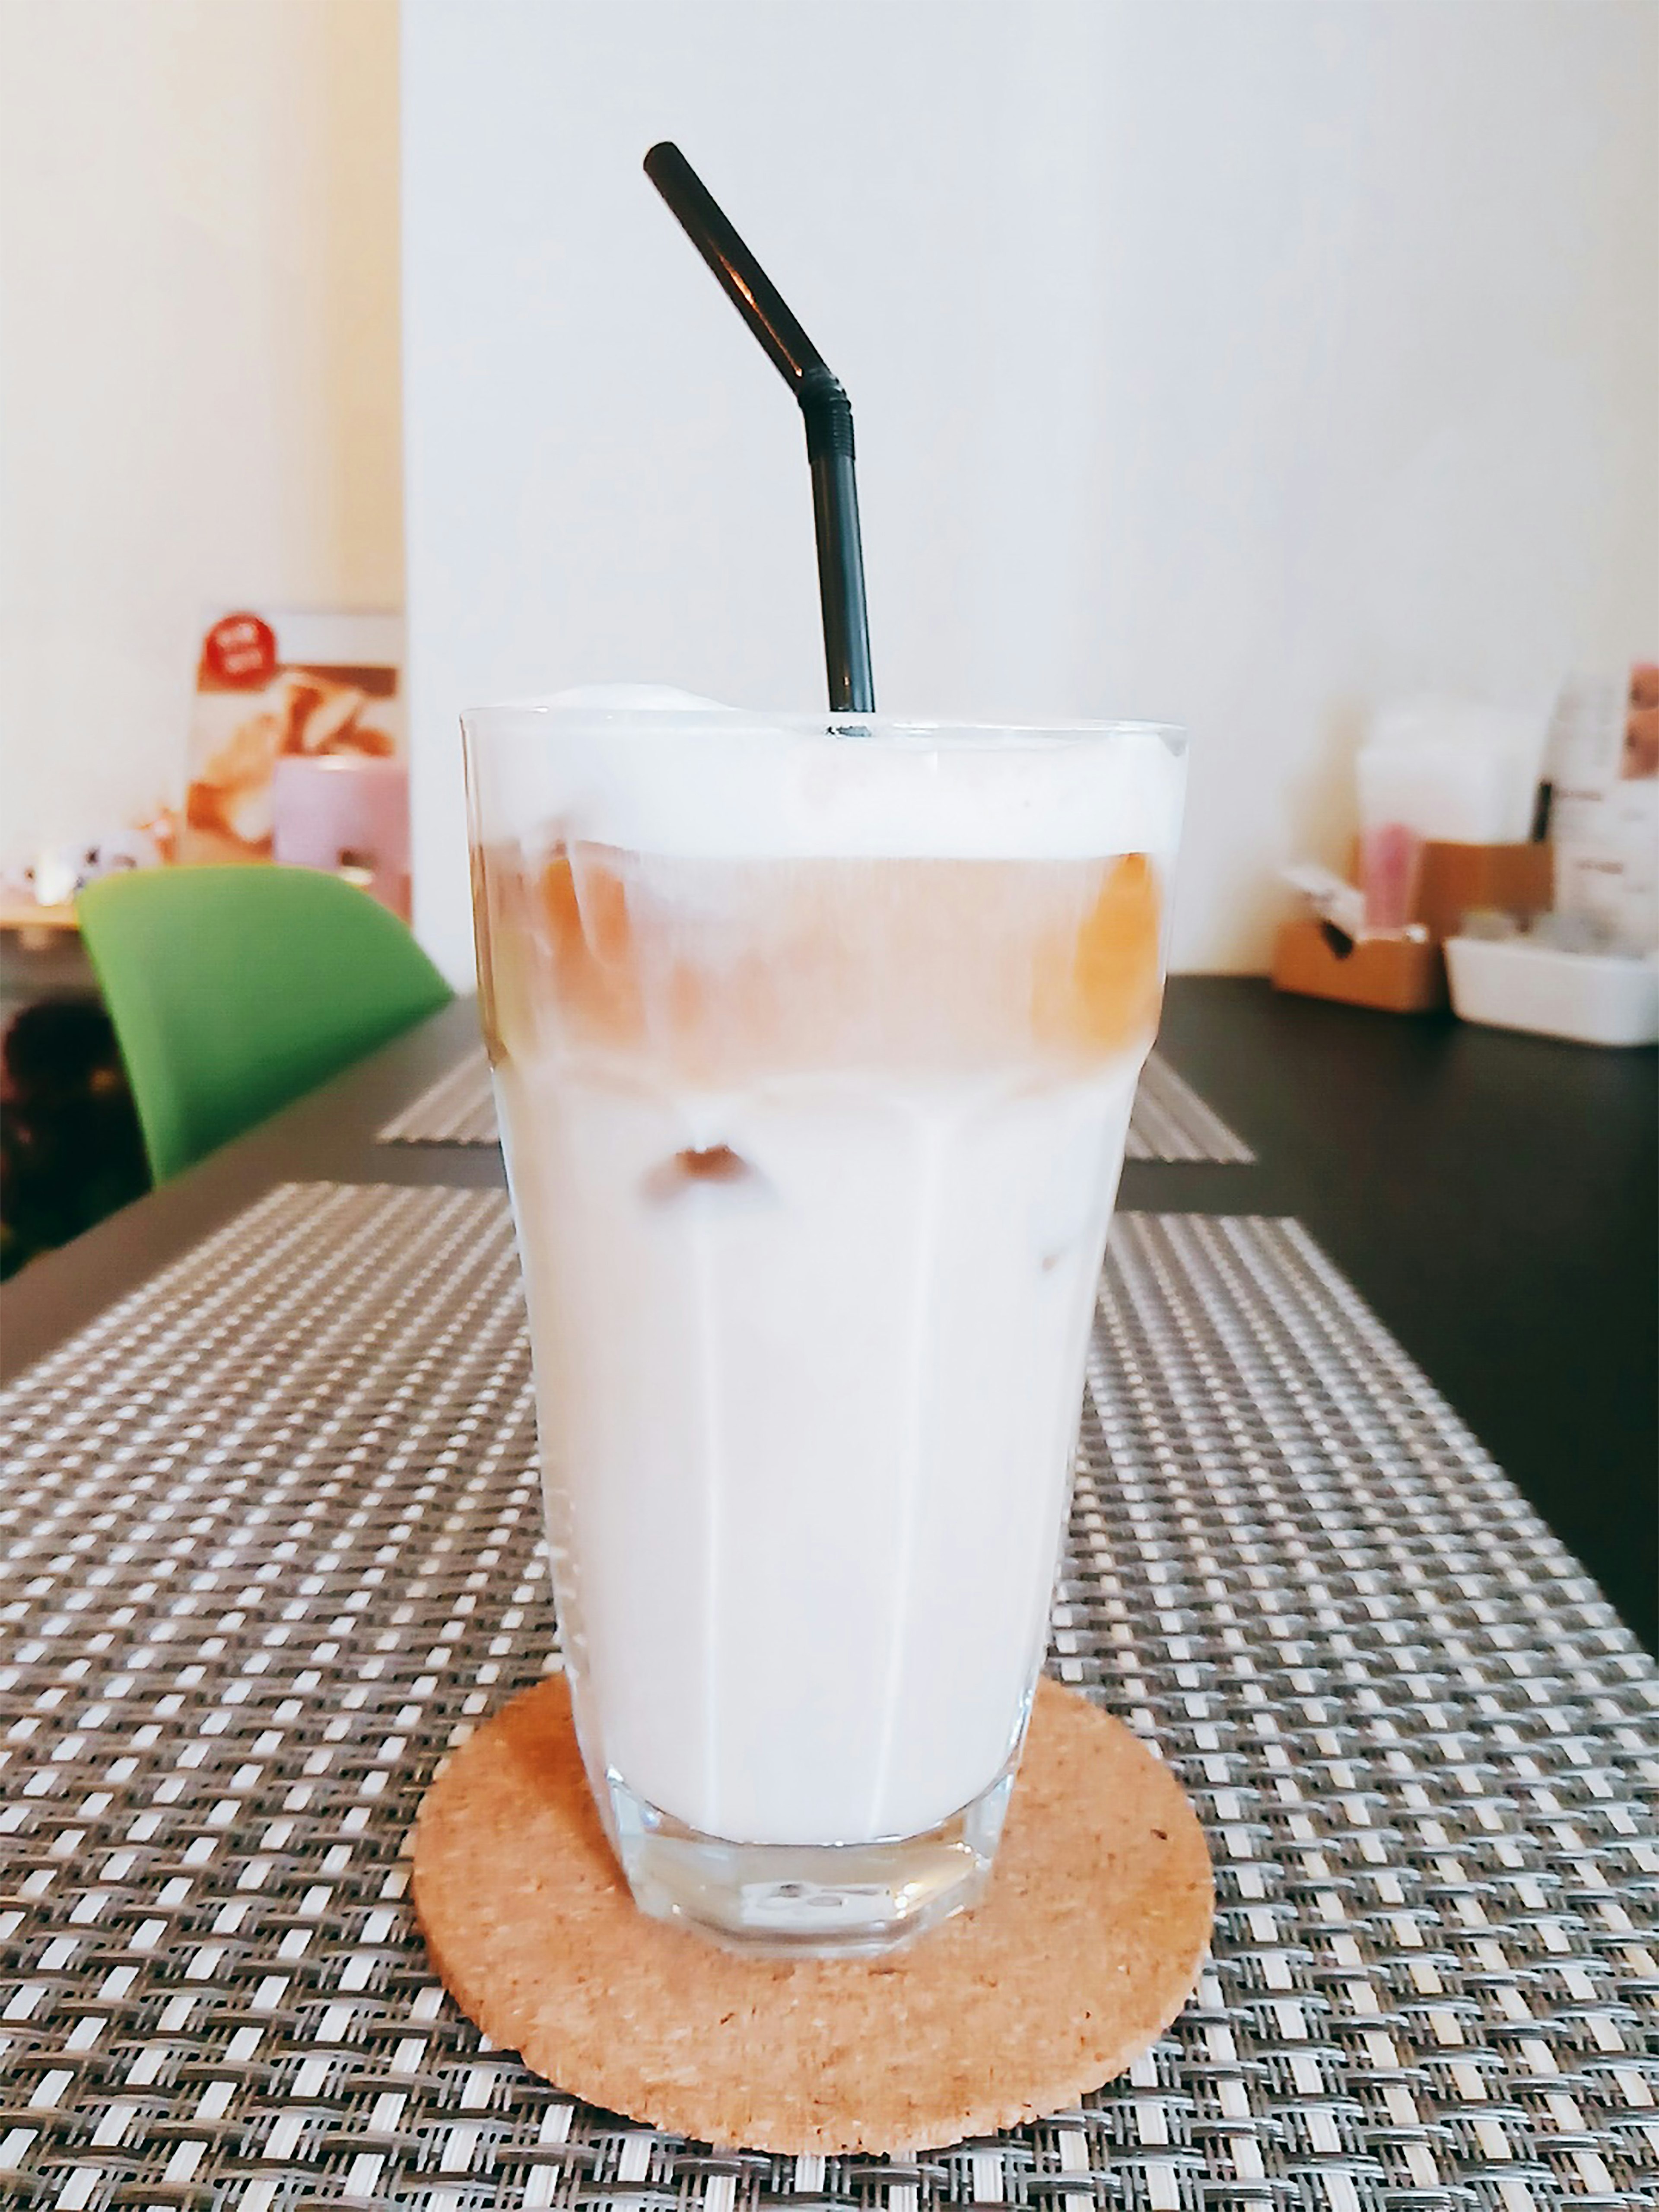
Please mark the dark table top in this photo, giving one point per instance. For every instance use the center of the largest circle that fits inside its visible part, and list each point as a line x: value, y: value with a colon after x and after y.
x: 1494, y: 1197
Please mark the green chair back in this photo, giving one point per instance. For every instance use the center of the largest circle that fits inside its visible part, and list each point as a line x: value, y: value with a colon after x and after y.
x: 234, y: 990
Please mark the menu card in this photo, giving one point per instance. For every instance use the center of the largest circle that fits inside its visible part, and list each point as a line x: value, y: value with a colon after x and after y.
x: 1602, y: 762
x: 276, y: 686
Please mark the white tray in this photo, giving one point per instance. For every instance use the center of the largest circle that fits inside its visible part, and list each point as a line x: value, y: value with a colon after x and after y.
x: 1593, y: 999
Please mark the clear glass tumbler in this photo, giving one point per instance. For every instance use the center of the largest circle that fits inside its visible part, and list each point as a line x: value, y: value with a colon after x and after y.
x: 814, y: 1045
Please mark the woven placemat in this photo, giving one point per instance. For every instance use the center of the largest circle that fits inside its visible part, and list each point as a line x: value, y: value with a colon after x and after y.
x: 271, y: 1538
x: 459, y: 1109
x: 1171, y: 1121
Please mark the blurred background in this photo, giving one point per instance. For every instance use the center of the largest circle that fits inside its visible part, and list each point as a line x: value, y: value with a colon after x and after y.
x: 1249, y: 364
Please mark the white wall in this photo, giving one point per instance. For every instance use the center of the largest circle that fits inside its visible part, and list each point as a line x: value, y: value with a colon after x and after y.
x: 199, y: 383
x: 1241, y: 364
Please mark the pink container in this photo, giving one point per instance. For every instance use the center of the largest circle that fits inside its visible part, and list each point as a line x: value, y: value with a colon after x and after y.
x: 347, y: 814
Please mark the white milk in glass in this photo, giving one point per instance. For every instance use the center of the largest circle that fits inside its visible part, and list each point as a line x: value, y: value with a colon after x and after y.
x: 814, y: 1046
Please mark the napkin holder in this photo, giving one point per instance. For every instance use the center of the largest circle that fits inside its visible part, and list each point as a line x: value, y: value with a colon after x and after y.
x: 1404, y: 975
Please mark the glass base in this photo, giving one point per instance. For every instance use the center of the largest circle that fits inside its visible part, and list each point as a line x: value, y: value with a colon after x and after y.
x: 807, y: 1900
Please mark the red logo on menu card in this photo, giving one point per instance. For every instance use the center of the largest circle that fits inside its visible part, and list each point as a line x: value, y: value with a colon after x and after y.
x: 240, y: 650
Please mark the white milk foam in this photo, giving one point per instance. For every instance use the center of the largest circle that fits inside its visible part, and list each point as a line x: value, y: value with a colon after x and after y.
x: 808, y: 1426
x: 660, y: 771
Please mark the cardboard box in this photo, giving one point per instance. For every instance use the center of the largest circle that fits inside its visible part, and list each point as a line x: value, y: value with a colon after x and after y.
x: 1455, y: 879
x: 1400, y: 974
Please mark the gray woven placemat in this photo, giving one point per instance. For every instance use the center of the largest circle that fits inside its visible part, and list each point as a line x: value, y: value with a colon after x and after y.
x: 1171, y: 1121
x: 459, y: 1109
x: 271, y: 1542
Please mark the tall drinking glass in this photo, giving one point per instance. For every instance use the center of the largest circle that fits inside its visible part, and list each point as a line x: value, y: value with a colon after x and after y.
x: 814, y: 1044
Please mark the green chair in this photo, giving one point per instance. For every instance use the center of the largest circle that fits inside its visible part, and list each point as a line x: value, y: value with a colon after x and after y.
x: 234, y: 990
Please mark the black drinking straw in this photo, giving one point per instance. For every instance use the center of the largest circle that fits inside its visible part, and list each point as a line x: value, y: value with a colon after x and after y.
x: 825, y: 407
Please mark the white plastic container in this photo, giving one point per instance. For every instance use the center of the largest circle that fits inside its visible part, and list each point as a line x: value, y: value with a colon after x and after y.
x: 1594, y: 999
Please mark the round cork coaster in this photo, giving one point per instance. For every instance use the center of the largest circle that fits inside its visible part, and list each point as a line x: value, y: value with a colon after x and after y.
x: 1083, y: 1948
